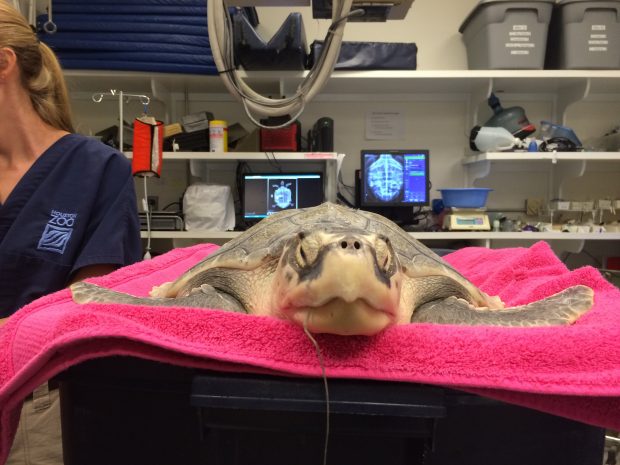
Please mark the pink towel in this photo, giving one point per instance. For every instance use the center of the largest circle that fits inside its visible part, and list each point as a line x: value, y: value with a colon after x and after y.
x: 571, y: 371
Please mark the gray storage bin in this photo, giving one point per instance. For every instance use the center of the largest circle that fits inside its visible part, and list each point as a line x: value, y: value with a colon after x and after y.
x: 506, y: 34
x: 584, y: 35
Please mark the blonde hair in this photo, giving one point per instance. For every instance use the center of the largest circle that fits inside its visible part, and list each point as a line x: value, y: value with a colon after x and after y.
x: 41, y: 74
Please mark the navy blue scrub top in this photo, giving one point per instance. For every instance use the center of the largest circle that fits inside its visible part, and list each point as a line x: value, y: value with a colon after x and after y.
x: 76, y: 206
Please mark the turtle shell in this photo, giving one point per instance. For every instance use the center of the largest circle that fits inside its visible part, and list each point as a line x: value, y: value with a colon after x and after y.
x: 266, y: 240
x: 336, y: 270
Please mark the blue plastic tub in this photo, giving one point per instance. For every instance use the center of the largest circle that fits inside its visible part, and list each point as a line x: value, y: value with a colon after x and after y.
x: 473, y: 197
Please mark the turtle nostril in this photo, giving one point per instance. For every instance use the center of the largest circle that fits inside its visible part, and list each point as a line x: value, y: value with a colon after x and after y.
x: 350, y: 244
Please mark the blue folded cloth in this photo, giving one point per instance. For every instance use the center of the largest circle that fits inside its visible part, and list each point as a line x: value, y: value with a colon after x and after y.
x: 138, y: 66
x: 203, y: 59
x: 134, y: 35
x: 67, y: 23
x: 86, y: 20
x: 104, y: 37
x: 138, y: 9
x: 145, y: 3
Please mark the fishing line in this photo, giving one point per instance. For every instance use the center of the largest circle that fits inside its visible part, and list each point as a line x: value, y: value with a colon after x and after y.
x: 322, y: 364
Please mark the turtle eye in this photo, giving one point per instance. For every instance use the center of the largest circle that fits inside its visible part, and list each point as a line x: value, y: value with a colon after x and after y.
x: 383, y: 253
x: 306, y: 252
x: 300, y: 256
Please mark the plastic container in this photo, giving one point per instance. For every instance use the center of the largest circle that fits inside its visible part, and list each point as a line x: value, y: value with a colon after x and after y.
x: 504, y: 34
x: 218, y: 136
x: 584, y: 35
x: 473, y: 197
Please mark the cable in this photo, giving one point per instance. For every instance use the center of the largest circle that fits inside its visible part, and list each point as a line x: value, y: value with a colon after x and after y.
x: 171, y: 204
x: 273, y: 161
x: 325, y: 386
x: 145, y: 205
x: 222, y: 48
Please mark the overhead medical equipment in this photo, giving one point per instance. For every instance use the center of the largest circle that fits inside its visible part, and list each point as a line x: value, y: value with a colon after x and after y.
x: 221, y: 40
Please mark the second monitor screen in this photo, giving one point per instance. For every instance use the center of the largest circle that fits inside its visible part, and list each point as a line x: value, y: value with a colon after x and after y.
x: 395, y: 178
x: 266, y: 194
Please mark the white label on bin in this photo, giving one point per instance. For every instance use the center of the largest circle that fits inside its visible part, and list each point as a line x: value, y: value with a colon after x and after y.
x: 597, y: 49
x: 519, y: 27
x: 598, y: 42
x: 519, y: 52
x: 598, y: 36
x: 519, y: 33
x: 599, y: 27
x: 519, y: 45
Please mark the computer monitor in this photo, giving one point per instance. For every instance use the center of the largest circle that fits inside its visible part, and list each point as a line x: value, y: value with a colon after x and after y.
x: 268, y: 193
x: 394, y: 178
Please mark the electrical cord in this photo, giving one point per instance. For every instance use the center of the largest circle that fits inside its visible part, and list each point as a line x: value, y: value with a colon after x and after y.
x: 178, y: 202
x: 242, y: 167
x: 145, y: 205
x: 222, y: 48
x: 273, y: 161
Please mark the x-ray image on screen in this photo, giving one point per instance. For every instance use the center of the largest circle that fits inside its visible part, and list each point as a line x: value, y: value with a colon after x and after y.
x: 283, y: 194
x: 394, y: 178
x: 385, y: 177
x: 267, y: 193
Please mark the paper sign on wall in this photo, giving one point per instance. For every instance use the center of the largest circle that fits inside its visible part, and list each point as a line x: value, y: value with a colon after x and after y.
x: 385, y: 125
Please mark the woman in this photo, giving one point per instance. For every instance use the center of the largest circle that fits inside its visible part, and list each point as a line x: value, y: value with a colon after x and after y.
x: 67, y: 202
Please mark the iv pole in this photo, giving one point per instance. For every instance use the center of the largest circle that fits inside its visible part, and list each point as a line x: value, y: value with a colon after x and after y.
x: 123, y: 97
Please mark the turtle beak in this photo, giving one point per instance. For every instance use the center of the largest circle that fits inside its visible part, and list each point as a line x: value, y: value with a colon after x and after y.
x: 348, y: 282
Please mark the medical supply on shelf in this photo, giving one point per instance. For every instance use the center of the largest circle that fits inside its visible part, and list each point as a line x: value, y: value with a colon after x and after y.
x: 218, y: 136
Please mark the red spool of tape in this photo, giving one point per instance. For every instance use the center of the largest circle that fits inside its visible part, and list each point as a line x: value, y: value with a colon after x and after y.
x: 148, y: 144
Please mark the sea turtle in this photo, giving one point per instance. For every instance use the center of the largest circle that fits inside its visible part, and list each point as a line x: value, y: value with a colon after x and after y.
x: 341, y: 271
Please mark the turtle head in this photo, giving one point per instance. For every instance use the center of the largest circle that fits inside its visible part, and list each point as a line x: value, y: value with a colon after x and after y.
x: 345, y: 282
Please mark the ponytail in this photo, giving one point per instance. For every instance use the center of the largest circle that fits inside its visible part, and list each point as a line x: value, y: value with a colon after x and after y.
x: 41, y: 74
x: 48, y: 92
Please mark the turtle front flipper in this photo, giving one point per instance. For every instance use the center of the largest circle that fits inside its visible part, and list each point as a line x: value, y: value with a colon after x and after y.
x: 562, y: 308
x: 203, y: 297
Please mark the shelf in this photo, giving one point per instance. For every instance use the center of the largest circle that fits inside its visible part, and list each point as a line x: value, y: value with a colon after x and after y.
x: 329, y: 159
x: 248, y: 156
x: 527, y: 236
x: 540, y: 156
x: 566, y: 165
x: 423, y: 236
x: 211, y: 235
x: 356, y: 82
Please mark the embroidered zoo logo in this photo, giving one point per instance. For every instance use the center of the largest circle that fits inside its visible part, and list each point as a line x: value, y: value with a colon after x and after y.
x: 57, y: 232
